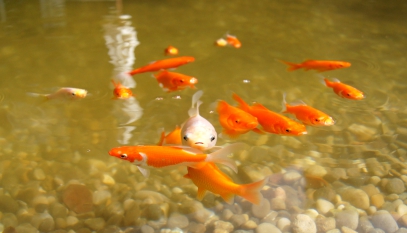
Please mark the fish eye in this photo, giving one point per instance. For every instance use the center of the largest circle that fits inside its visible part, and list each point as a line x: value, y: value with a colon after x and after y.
x: 287, y: 130
x: 237, y: 121
x: 212, y: 138
x: 317, y: 120
x: 181, y: 80
x: 123, y: 156
x: 347, y: 94
x: 185, y: 138
x: 73, y: 93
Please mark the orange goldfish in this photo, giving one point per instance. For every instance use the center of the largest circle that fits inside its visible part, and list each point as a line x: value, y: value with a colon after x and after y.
x: 171, y: 81
x: 163, y: 64
x: 64, y: 93
x: 197, y: 132
x: 343, y: 90
x: 171, y: 50
x: 270, y: 121
x: 307, y: 114
x: 209, y: 177
x: 233, y: 41
x: 319, y: 65
x: 173, y: 138
x: 164, y: 156
x: 235, y: 121
x: 120, y: 91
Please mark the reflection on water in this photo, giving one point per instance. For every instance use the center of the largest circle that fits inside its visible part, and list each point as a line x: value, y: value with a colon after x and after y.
x: 350, y: 177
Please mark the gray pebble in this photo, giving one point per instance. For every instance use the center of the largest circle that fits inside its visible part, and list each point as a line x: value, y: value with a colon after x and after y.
x: 383, y: 220
x: 324, y: 224
x: 278, y: 204
x: 401, y: 230
x: 348, y: 218
x: 303, y: 223
x: 395, y: 185
x: 177, y: 220
x: 238, y: 219
x: 356, y: 197
x: 221, y: 225
x: 267, y: 228
x: 146, y: 229
x: 261, y: 210
x: 284, y: 224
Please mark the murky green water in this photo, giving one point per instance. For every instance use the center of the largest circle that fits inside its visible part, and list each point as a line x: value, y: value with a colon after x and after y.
x: 45, y: 146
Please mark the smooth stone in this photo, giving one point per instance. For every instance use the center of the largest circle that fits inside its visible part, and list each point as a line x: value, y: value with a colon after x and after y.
x: 58, y: 210
x: 395, y: 185
x: 402, y: 221
x: 383, y: 220
x: 323, y: 206
x: 226, y: 214
x: 47, y: 223
x: 95, y: 224
x: 40, y: 203
x: 72, y: 221
x: 101, y: 197
x: 334, y: 231
x: 9, y: 220
x: 284, y: 224
x: 326, y: 193
x: 249, y: 225
x: 38, y: 174
x: 347, y: 230
x: 261, y: 210
x: 25, y: 228
x: 303, y: 223
x: 364, y: 224
x: 370, y: 189
x: 8, y: 204
x: 153, y: 212
x: 280, y: 193
x: 291, y: 176
x: 267, y: 228
x: 146, y: 229
x: 177, y: 220
x: 356, y: 197
x: 401, y: 230
x: 78, y: 198
x: 402, y: 209
x: 277, y: 204
x: 324, y: 224
x: 348, y: 218
x: 222, y: 225
x: 196, y: 227
x: 108, y: 180
x: 374, y: 180
x: 238, y: 219
x: 377, y: 200
x: 316, y: 171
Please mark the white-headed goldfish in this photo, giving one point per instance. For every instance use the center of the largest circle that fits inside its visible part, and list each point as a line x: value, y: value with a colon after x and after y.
x: 197, y: 132
x: 171, y: 50
x: 65, y: 93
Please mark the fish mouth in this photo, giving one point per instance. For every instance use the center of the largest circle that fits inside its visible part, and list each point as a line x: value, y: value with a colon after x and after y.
x: 199, y: 143
x: 302, y: 133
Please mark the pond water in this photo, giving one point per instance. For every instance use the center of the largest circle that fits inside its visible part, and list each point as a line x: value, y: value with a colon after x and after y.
x: 57, y: 175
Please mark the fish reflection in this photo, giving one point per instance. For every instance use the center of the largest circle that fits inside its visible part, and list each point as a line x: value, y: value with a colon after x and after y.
x: 121, y: 40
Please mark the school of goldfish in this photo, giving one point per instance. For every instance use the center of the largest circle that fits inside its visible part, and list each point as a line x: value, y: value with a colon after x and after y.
x: 187, y: 145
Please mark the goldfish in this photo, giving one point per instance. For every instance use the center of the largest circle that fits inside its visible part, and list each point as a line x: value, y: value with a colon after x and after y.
x: 164, y: 156
x: 173, y: 138
x: 171, y: 50
x: 307, y: 114
x: 235, y: 121
x: 120, y: 91
x: 319, y: 65
x: 233, y: 41
x: 171, y: 81
x: 64, y: 93
x: 221, y: 42
x: 343, y: 90
x: 198, y: 132
x: 270, y: 121
x: 163, y: 64
x: 210, y: 177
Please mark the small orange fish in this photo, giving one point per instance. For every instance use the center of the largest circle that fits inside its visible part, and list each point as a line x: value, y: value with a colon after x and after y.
x: 210, y: 177
x: 270, y: 121
x: 120, y: 91
x: 164, y: 156
x: 173, y: 138
x: 163, y: 64
x: 343, y: 90
x: 307, y: 114
x: 221, y: 42
x: 171, y: 50
x: 235, y: 121
x: 233, y: 41
x: 171, y: 81
x: 319, y: 65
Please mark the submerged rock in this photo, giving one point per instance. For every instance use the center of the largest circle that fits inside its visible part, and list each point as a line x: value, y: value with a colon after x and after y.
x: 78, y: 198
x: 383, y: 220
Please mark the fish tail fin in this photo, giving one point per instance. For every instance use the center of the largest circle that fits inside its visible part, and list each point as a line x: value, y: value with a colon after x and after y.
x: 194, y: 111
x: 242, y: 105
x: 291, y: 66
x: 323, y: 80
x: 221, y: 155
x: 133, y: 72
x: 251, y: 192
x: 222, y: 105
x: 284, y: 103
x: 45, y: 96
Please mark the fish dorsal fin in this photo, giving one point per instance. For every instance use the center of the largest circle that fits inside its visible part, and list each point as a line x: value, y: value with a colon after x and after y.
x: 189, y: 149
x: 336, y: 80
x: 258, y: 105
x: 194, y: 110
x: 201, y: 193
x: 284, y: 107
x: 298, y: 103
x: 187, y: 176
x: 144, y: 171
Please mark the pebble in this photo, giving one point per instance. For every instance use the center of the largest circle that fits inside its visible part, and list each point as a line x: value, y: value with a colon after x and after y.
x: 316, y: 171
x: 323, y: 206
x: 8, y: 204
x: 357, y: 197
x: 47, y: 223
x: 277, y: 204
x: 146, y: 229
x: 377, y: 200
x: 347, y: 230
x: 383, y: 220
x: 101, y: 197
x: 402, y: 209
x: 238, y: 219
x: 402, y: 221
x: 324, y: 224
x: 395, y: 185
x: 221, y: 225
x: 267, y: 228
x: 153, y: 212
x: 177, y: 220
x: 303, y: 224
x: 108, y: 180
x: 284, y: 224
x: 40, y: 203
x: 226, y: 214
x: 38, y: 174
x: 249, y: 225
x: 348, y: 218
x: 401, y: 230
x: 72, y: 221
x: 78, y: 198
x: 95, y: 224
x: 261, y: 210
x: 326, y: 193
x: 291, y: 176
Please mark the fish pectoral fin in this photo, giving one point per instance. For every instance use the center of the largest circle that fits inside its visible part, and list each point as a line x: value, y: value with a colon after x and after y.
x: 187, y: 176
x: 201, y: 193
x: 259, y: 131
x: 228, y: 197
x: 144, y: 171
